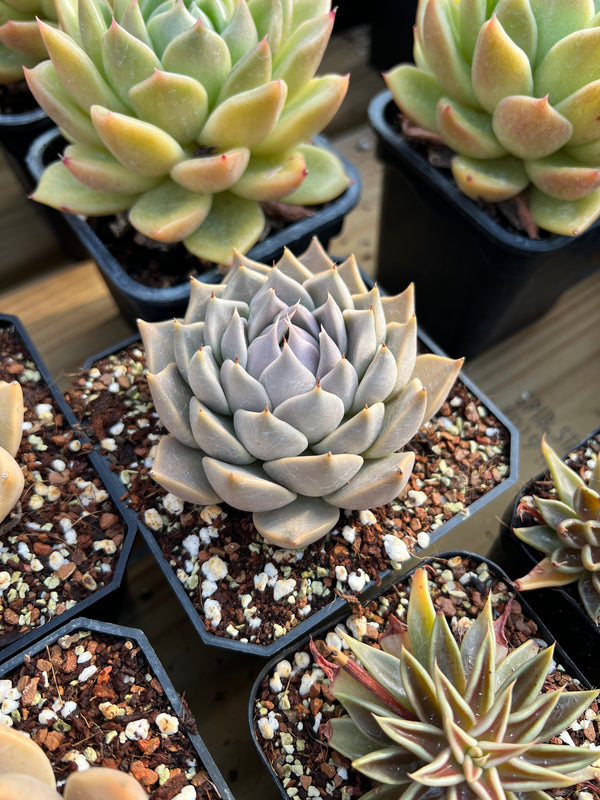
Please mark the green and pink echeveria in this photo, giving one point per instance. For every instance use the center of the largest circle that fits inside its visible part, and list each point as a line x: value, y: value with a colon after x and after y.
x: 513, y: 87
x: 188, y: 114
x: 568, y: 533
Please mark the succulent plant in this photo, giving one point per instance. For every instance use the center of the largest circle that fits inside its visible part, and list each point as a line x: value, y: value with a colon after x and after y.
x: 11, y: 430
x: 289, y: 392
x: 21, y: 43
x: 188, y: 115
x: 513, y: 87
x: 432, y: 718
x: 25, y: 771
x: 569, y: 533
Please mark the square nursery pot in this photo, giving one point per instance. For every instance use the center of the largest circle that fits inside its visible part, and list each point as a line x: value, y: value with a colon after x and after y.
x: 560, y: 607
x: 95, y: 693
x: 392, y: 33
x: 291, y: 699
x: 262, y: 597
x: 137, y: 300
x: 476, y: 281
x: 65, y: 546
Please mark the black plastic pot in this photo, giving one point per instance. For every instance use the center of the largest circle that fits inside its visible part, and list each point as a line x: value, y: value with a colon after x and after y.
x: 319, y: 631
x: 103, y: 598
x: 476, y: 282
x: 138, y: 301
x: 17, y: 132
x: 155, y: 669
x: 297, y: 632
x: 560, y: 607
x: 392, y: 33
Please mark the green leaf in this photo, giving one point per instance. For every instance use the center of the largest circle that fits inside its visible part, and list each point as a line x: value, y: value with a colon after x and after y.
x: 253, y: 70
x: 132, y: 20
x: 169, y: 212
x: 466, y: 131
x: 569, y: 706
x: 423, y: 740
x: 580, y: 108
x: 442, y: 53
x: 545, y: 575
x: 493, y: 180
x: 529, y: 678
x: 100, y: 171
x: 175, y: 103
x: 525, y: 724
x: 268, y: 17
x: 164, y: 28
x: 201, y: 54
x: 210, y: 174
x: 349, y: 740
x: 529, y: 128
x: 362, y: 706
x: 390, y: 765
x: 420, y: 690
x: 471, y: 16
x: 325, y: 177
x: 271, y: 178
x: 26, y: 40
x: 562, y: 759
x: 299, y: 59
x: 59, y: 189
x: 569, y: 218
x: 542, y: 537
x: 127, y: 61
x: 480, y: 689
x: 518, y: 21
x: 311, y: 110
x: 51, y: 95
x: 420, y: 618
x: 240, y: 34
x: 500, y: 68
x: 572, y: 63
x: 589, y: 591
x: 445, y: 653
x: 566, y: 480
x: 555, y: 20
x: 138, y: 145
x: 307, y: 9
x: 416, y: 93
x: 553, y: 511
x: 475, y: 639
x: 94, y: 20
x: 77, y: 72
x: 245, y: 119
x: 382, y: 666
x: 233, y: 222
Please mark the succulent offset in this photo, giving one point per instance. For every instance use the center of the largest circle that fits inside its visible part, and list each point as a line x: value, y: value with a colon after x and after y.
x: 569, y: 533
x: 432, y: 718
x: 289, y: 392
x: 25, y: 771
x: 21, y: 43
x: 513, y: 87
x: 11, y: 430
x: 188, y: 115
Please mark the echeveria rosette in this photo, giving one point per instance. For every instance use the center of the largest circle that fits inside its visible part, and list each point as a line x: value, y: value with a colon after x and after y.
x: 289, y: 392
x: 189, y: 115
x: 11, y: 431
x: 21, y: 43
x: 26, y: 771
x: 569, y: 534
x: 432, y: 718
x: 513, y: 87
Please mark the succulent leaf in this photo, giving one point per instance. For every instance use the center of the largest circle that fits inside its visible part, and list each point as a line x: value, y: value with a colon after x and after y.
x: 272, y: 178
x: 169, y: 212
x: 569, y: 218
x: 530, y: 128
x: 275, y: 404
x: 569, y: 65
x: 417, y: 93
x: 493, y: 180
x: 127, y: 60
x: 99, y: 170
x: 484, y: 740
x: 299, y: 60
x: 12, y: 480
x: 466, y: 131
x: 324, y: 177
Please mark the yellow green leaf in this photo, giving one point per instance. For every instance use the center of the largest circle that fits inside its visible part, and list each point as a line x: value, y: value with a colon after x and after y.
x: 175, y: 103
x: 569, y: 218
x: 240, y: 34
x: 416, y: 93
x: 466, y: 131
x: 563, y: 177
x: 253, y: 70
x: 528, y: 127
x: 271, y: 178
x: 214, y: 173
x: 169, y: 212
x: 299, y: 59
x: 572, y: 63
x: 493, y: 180
x: 99, y: 170
x: 326, y: 177
x: 127, y: 61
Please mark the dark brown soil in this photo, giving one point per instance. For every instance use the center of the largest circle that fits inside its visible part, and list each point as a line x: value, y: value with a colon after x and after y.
x: 92, y: 699
x: 63, y: 541
x: 244, y: 589
x: 291, y: 729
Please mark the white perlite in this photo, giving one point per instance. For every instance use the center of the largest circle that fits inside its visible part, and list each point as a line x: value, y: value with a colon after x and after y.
x: 282, y: 588
x: 395, y: 548
x: 138, y: 729
x: 153, y: 519
x: 212, y: 609
x: 357, y: 580
x: 215, y: 569
x: 167, y: 724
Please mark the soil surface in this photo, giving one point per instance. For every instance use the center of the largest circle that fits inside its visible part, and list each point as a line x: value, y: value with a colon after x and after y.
x: 92, y: 699
x: 62, y: 542
x: 243, y: 588
x: 294, y: 700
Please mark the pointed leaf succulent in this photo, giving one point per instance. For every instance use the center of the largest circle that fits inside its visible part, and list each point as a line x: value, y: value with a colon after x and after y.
x: 430, y: 717
x: 11, y: 429
x: 290, y: 392
x: 569, y: 533
x: 189, y: 115
x: 512, y: 87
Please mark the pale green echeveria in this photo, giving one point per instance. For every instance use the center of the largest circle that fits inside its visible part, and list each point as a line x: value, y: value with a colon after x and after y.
x: 190, y: 114
x: 432, y: 718
x: 12, y: 481
x: 21, y: 43
x: 568, y: 533
x: 26, y: 771
x: 513, y: 87
x: 289, y: 392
